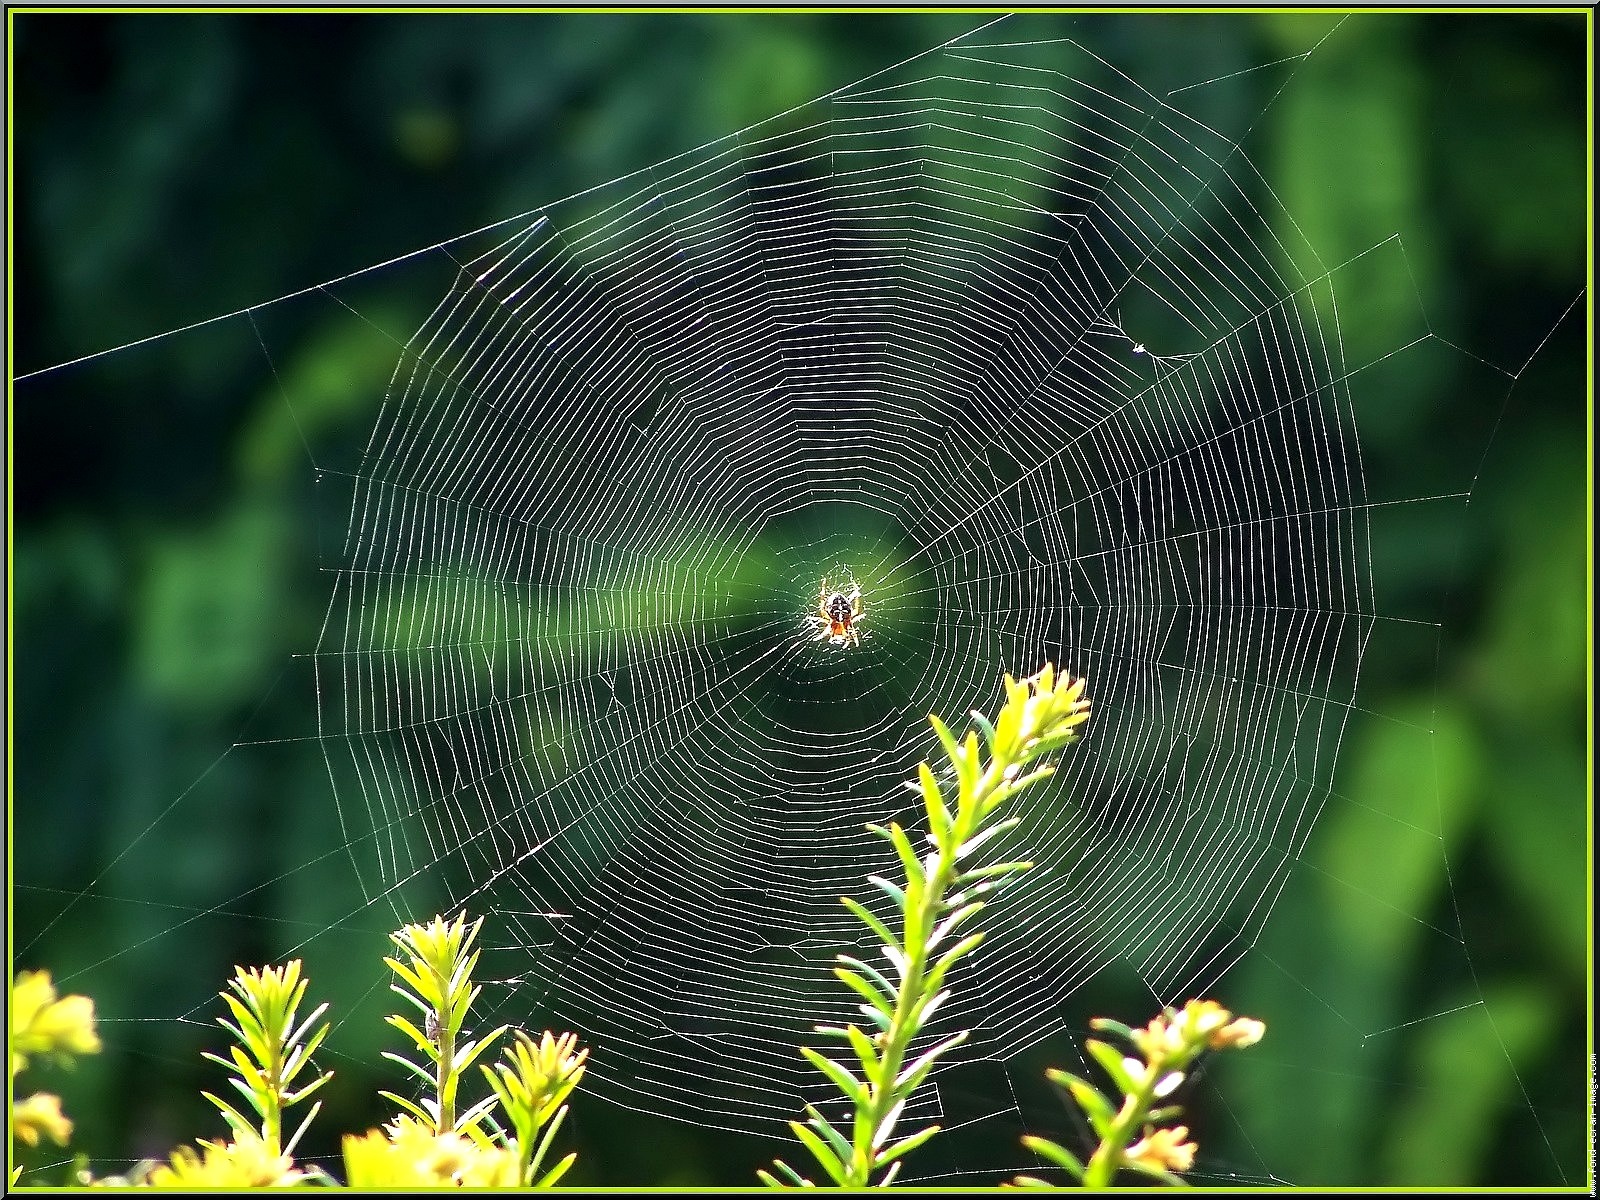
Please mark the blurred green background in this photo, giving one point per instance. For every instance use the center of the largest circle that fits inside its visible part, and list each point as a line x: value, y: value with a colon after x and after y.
x: 1425, y: 996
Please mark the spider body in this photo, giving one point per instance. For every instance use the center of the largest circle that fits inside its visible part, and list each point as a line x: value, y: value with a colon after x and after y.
x: 838, y: 614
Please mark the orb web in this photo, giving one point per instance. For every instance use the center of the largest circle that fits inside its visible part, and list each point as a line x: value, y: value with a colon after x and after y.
x: 1010, y: 343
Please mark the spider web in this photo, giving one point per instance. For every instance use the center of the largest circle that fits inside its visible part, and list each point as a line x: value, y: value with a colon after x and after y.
x: 1005, y: 340
x: 1027, y: 353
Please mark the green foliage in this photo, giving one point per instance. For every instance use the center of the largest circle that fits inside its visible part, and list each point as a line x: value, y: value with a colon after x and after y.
x: 214, y: 607
x: 430, y: 1144
x: 1449, y: 1061
x: 532, y: 1085
x: 939, y: 895
x: 272, y: 1046
x: 43, y: 1025
x: 1168, y: 1048
x: 436, y: 979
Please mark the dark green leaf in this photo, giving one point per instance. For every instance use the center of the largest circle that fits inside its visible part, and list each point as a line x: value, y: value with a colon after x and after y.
x: 1111, y: 1059
x: 855, y: 1091
x: 821, y: 1151
x: 837, y: 1140
x: 1095, y: 1106
x: 913, y: 1075
x: 889, y: 889
x: 870, y: 921
x: 1059, y: 1155
x: 949, y: 958
x: 869, y: 971
x: 984, y: 727
x: 868, y: 991
x: 905, y: 1146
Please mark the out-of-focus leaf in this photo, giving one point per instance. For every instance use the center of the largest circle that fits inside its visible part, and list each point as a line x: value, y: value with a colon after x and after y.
x: 332, y: 384
x: 1345, y: 164
x: 1526, y: 210
x: 1463, y: 1074
x: 210, y: 617
x: 1384, y: 858
x: 1536, y: 840
x: 1531, y: 667
x: 762, y: 70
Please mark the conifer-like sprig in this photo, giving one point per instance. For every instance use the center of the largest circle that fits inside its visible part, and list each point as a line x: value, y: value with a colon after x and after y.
x: 941, y: 893
x: 272, y: 1047
x: 436, y: 979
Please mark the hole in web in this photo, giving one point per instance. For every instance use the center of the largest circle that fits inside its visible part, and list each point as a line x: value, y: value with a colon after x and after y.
x: 1018, y: 349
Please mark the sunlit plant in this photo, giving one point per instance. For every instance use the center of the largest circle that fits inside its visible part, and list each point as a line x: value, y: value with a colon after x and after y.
x: 1134, y: 1133
x: 503, y: 1140
x: 271, y: 1048
x: 430, y: 1144
x: 532, y: 1084
x: 245, y: 1162
x: 271, y: 1051
x: 941, y: 893
x: 43, y: 1025
x: 408, y: 1154
x: 436, y: 1140
x: 436, y: 979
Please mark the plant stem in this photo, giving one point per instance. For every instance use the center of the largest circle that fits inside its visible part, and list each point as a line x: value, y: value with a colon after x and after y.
x: 446, y: 1067
x: 902, y: 1028
x: 1107, y: 1158
x: 272, y: 1116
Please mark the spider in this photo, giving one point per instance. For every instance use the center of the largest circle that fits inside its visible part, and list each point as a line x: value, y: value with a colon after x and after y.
x: 838, y: 613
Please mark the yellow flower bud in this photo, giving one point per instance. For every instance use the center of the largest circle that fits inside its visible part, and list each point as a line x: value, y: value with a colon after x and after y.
x: 1201, y: 1017
x: 247, y: 1163
x: 40, y: 1116
x: 42, y: 1024
x: 413, y: 1156
x: 1159, y: 1040
x: 1241, y: 1032
x: 1164, y: 1149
